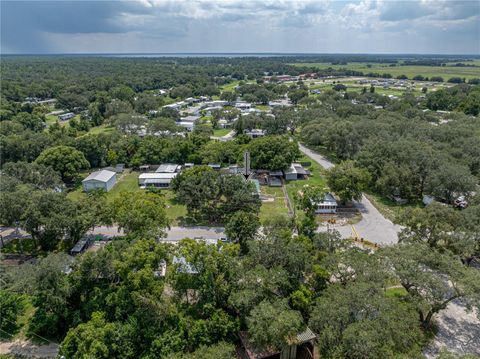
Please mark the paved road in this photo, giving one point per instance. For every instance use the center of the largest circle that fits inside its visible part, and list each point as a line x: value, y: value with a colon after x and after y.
x: 174, y: 234
x: 458, y: 331
x: 373, y: 226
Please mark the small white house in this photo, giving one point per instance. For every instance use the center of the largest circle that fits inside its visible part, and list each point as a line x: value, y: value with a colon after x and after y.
x: 102, y: 179
x: 328, y: 205
x: 160, y: 180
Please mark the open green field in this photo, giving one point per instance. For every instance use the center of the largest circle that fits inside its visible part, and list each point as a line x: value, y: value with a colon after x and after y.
x: 277, y: 207
x: 410, y: 71
x: 101, y: 129
x: 128, y: 182
x: 221, y: 132
x: 51, y: 119
x: 352, y: 86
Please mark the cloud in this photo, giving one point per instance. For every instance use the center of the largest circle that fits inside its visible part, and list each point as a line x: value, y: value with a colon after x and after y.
x: 240, y: 26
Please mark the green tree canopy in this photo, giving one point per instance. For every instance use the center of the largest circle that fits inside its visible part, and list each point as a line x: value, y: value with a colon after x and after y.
x: 65, y: 160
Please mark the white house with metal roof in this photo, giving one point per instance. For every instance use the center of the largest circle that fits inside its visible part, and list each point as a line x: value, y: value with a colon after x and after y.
x: 103, y: 179
x: 157, y: 179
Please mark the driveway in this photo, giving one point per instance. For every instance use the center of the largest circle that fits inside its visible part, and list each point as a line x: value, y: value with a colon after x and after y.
x: 373, y: 226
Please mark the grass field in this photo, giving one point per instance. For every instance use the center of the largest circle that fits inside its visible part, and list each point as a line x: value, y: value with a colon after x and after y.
x: 352, y: 86
x: 101, y: 129
x: 277, y: 207
x: 410, y: 71
x: 221, y: 132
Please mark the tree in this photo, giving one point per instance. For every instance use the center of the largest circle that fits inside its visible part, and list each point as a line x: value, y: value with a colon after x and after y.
x: 274, y: 324
x: 347, y: 181
x: 98, y: 338
x: 30, y: 121
x: 241, y: 228
x: 212, y: 196
x: 11, y: 307
x: 219, y: 350
x: 359, y: 321
x: 65, y: 160
x: 140, y: 213
x: 432, y: 279
x: 452, y: 180
x: 47, y: 281
x: 432, y: 225
x: 37, y: 175
x: 273, y: 152
x: 296, y: 95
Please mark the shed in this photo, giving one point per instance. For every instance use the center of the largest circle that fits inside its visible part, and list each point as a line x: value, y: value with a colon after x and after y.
x: 274, y: 181
x: 168, y: 168
x: 102, y: 179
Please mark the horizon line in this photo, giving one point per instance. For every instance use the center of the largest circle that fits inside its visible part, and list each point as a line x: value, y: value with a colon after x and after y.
x: 236, y: 53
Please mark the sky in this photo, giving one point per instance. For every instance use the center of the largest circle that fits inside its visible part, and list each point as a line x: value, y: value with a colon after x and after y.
x: 240, y: 26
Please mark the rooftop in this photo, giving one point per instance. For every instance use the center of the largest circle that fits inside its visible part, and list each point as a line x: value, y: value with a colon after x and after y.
x: 102, y: 176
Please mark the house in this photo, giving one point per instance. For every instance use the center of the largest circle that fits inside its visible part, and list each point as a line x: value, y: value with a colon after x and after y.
x: 82, y: 245
x: 168, y: 168
x: 255, y: 133
x: 183, y: 266
x: 328, y: 205
x: 295, y: 172
x: 102, y: 179
x: 215, y: 166
x: 66, y: 116
x: 186, y: 125
x: 159, y: 180
x: 300, y: 347
x: 243, y: 105
x: 224, y: 123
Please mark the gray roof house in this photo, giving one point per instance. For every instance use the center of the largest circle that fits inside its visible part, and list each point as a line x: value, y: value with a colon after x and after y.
x: 328, y: 205
x: 102, y: 179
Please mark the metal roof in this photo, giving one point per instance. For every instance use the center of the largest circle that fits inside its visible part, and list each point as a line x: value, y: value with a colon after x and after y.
x: 102, y: 176
x: 305, y: 336
x: 156, y: 175
x: 167, y: 168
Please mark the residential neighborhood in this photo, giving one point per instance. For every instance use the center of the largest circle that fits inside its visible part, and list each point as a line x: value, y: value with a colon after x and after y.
x: 240, y: 180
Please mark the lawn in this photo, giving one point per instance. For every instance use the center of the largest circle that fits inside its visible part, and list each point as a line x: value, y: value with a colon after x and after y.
x: 395, y: 292
x: 221, y: 132
x: 128, y: 182
x: 262, y: 107
x: 101, y: 129
x: 388, y: 208
x: 277, y: 207
x: 410, y: 71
